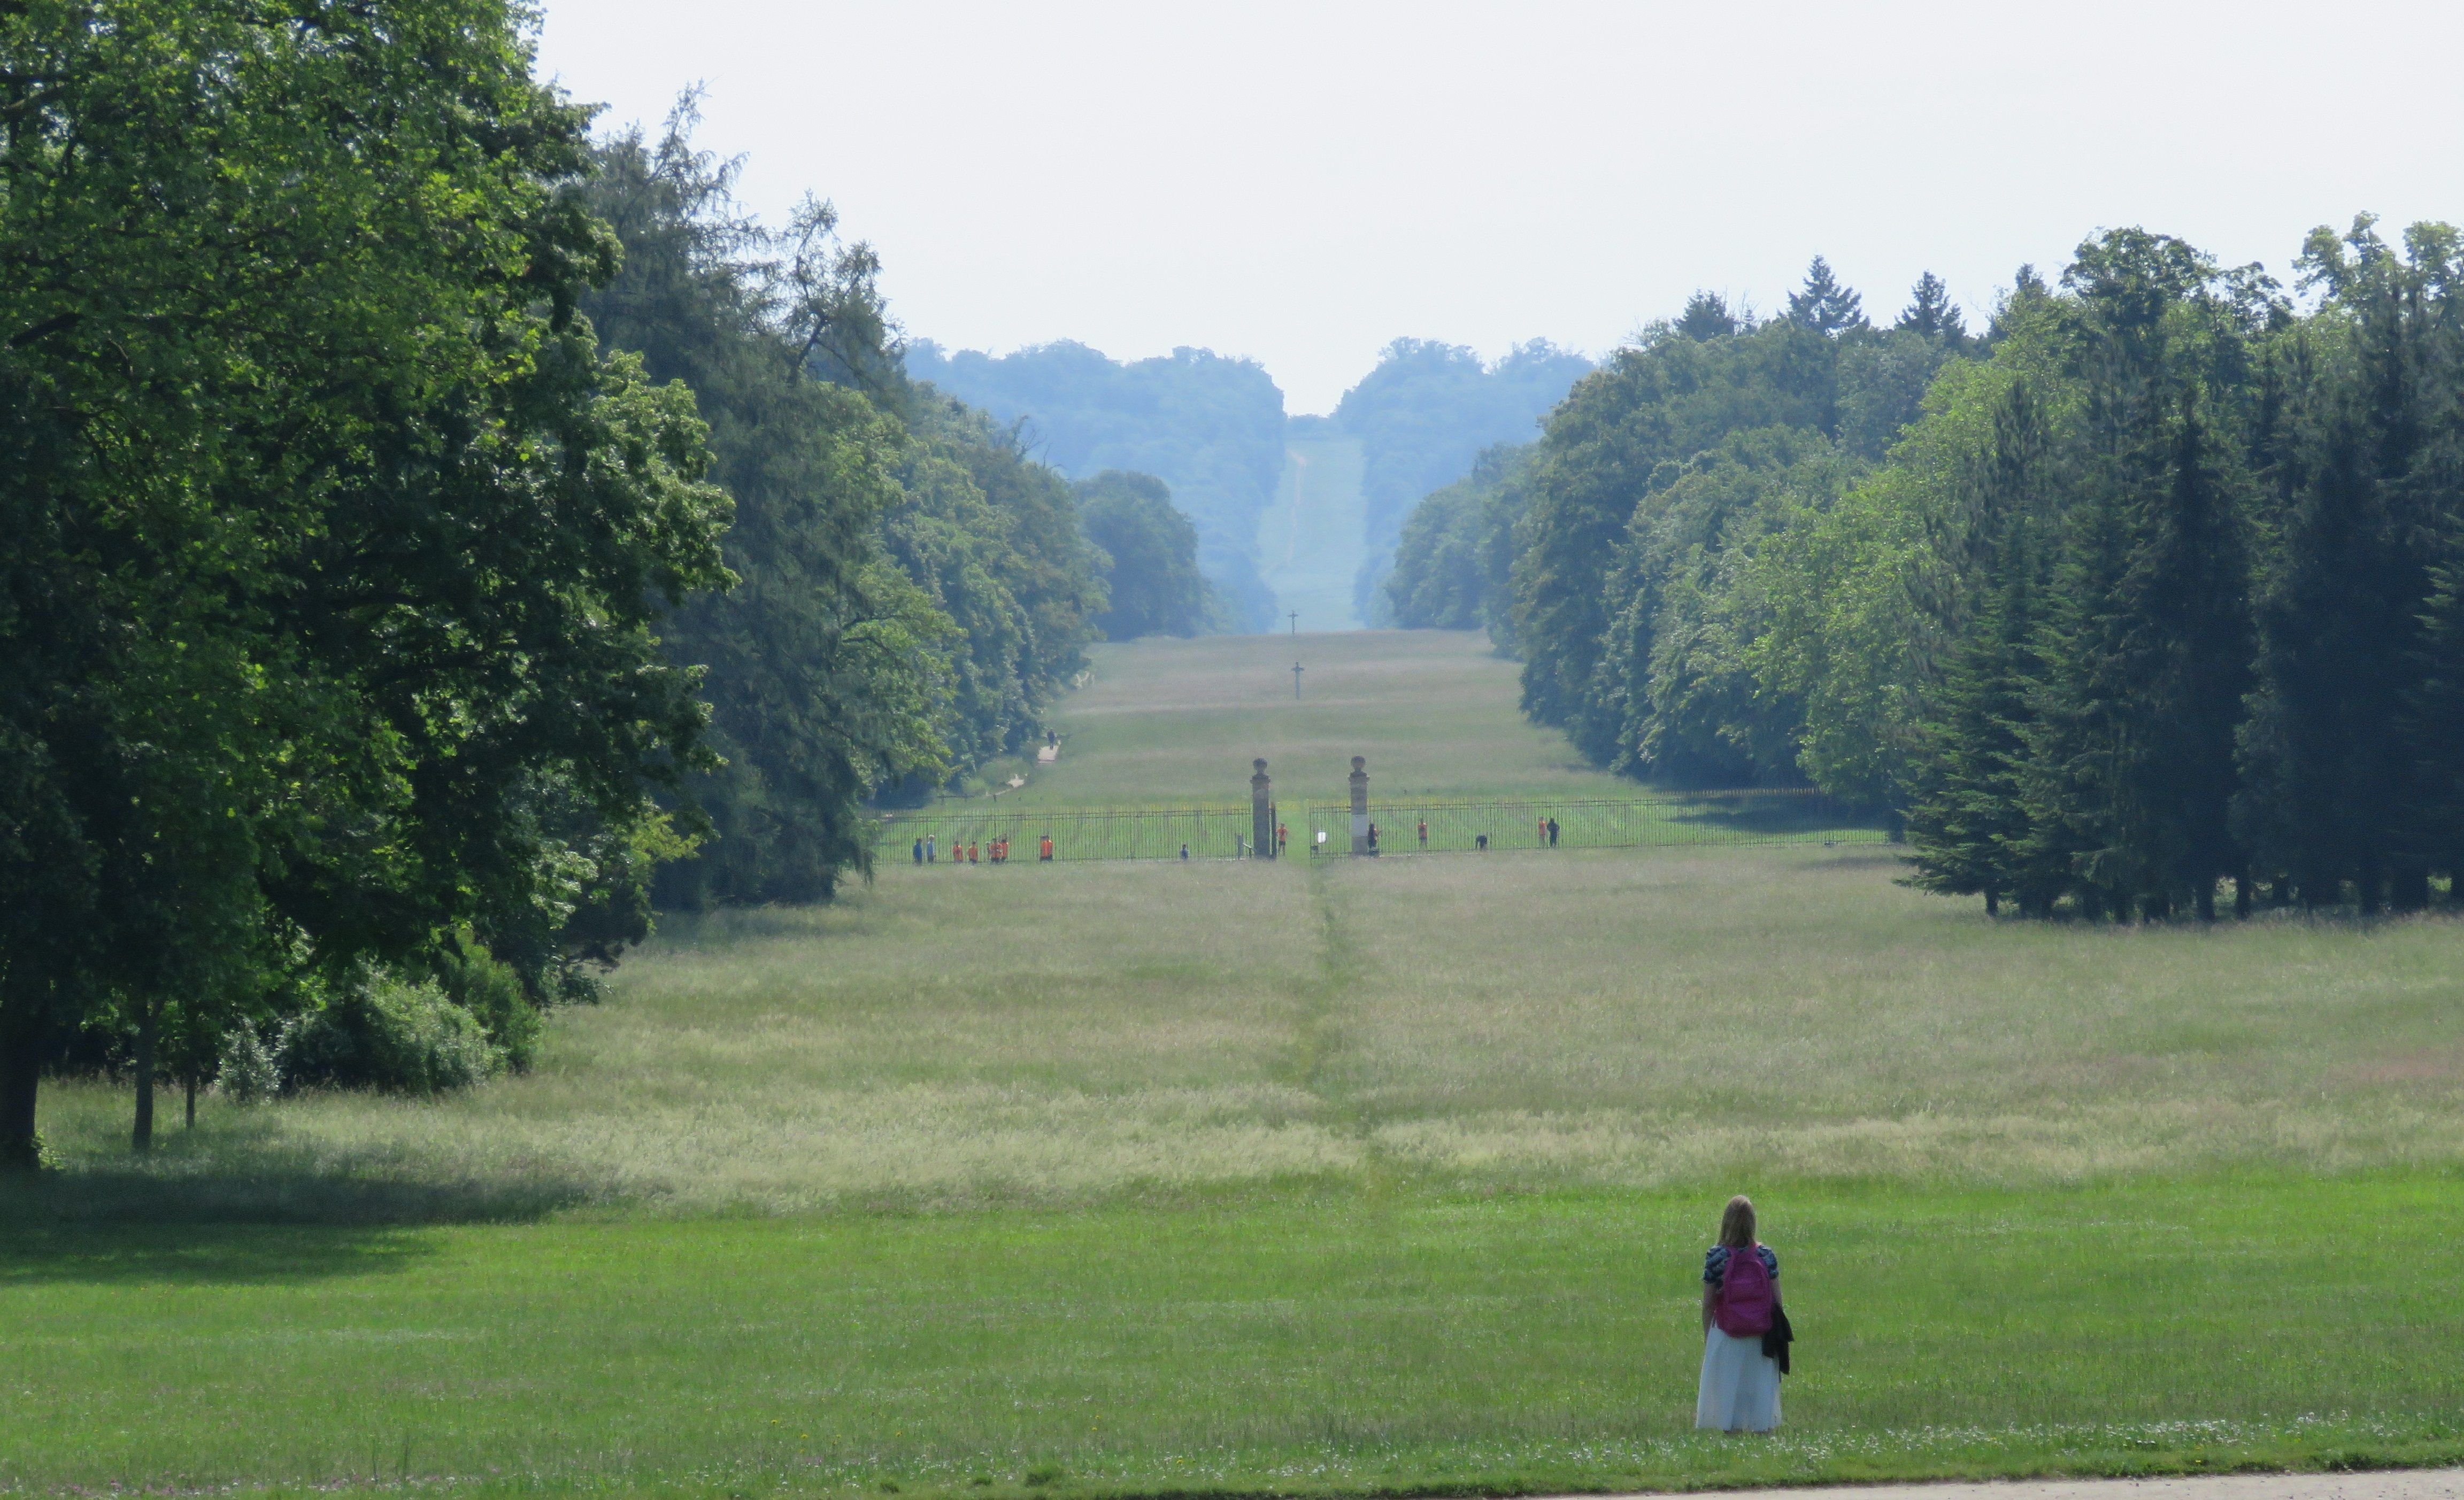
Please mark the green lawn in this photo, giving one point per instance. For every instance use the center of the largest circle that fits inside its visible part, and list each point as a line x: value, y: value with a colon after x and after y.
x: 1344, y: 1176
x: 1176, y: 722
x: 1359, y: 1339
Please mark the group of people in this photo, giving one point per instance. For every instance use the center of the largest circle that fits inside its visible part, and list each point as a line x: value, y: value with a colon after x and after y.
x: 928, y: 851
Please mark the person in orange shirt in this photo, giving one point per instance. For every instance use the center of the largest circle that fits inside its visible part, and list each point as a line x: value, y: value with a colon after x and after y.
x: 975, y: 852
x: 1044, y: 851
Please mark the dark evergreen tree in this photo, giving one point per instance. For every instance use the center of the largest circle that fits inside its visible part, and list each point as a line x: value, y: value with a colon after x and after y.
x: 1931, y: 313
x: 2147, y: 650
x: 1823, y: 305
x: 2337, y: 793
x: 1968, y: 824
x: 1706, y: 316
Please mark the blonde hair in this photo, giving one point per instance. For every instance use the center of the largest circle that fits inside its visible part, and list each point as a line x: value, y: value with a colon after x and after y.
x: 1737, y: 1224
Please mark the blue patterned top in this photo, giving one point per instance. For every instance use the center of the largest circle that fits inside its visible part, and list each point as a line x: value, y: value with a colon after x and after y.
x: 1715, y: 1264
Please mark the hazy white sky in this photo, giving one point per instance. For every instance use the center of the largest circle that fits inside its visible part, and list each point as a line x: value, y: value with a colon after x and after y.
x: 1301, y: 183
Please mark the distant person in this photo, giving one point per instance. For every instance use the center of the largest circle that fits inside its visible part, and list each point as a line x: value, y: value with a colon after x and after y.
x: 1542, y: 827
x: 1051, y: 738
x: 1184, y: 854
x: 1552, y: 833
x: 1283, y: 838
x: 928, y: 848
x: 1480, y: 841
x: 1372, y: 838
x: 920, y: 851
x: 1043, y: 849
x: 975, y: 852
x: 1425, y: 832
x: 1744, y: 1331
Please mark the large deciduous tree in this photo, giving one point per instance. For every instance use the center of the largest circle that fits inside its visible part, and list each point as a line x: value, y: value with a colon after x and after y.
x: 330, y: 548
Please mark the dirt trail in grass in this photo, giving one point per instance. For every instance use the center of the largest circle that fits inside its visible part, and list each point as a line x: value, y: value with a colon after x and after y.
x: 2396, y: 1484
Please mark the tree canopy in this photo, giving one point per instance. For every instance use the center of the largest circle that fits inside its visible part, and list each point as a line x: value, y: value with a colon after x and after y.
x: 2149, y: 589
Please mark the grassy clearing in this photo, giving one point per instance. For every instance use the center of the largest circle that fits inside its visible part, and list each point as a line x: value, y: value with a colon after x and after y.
x: 1176, y: 724
x: 1263, y: 1342
x: 1342, y: 1177
x: 1057, y: 1034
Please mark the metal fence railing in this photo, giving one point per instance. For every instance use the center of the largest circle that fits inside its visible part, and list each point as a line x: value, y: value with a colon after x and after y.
x: 1751, y: 816
x: 1084, y: 834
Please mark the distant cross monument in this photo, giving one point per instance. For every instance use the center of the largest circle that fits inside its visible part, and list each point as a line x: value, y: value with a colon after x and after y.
x: 1261, y: 815
x: 1360, y: 804
x: 1296, y: 623
x: 1296, y: 678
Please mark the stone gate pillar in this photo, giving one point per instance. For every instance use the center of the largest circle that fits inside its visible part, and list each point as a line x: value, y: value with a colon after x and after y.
x: 1261, y: 815
x: 1359, y: 804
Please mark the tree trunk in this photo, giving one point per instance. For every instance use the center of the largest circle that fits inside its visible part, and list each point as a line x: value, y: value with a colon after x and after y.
x: 1993, y: 903
x: 21, y: 1071
x: 2208, y: 899
x: 142, y: 1138
x: 2411, y: 887
x: 2241, y: 897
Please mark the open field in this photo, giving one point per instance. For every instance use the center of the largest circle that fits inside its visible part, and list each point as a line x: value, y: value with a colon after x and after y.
x: 1333, y: 1176
x: 1176, y: 724
x: 1313, y: 540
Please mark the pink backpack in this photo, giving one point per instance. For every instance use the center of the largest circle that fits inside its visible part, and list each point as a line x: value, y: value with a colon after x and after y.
x: 1746, y: 1297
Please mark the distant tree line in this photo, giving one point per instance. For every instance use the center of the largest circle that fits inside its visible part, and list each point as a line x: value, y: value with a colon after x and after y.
x: 435, y: 541
x: 1423, y: 415
x: 2149, y: 592
x: 1210, y: 426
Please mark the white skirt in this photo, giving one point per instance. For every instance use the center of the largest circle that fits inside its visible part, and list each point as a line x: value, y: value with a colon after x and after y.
x: 1739, y: 1389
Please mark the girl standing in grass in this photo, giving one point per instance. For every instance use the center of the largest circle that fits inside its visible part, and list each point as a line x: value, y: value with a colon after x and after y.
x: 1740, y: 1387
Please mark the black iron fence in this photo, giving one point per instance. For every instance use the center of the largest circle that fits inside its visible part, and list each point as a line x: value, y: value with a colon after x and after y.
x: 1754, y: 817
x: 1405, y: 826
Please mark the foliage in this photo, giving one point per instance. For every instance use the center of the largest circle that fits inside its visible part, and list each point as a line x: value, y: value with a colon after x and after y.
x: 1453, y: 563
x: 991, y: 539
x: 383, y: 1033
x: 335, y: 547
x: 1423, y: 416
x: 1604, y: 550
x: 1150, y: 558
x: 826, y: 668
x: 2162, y: 590
x: 1209, y: 427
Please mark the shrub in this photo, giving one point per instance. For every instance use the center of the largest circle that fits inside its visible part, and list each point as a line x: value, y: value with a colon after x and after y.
x: 386, y: 1033
x: 250, y: 1072
x: 491, y: 992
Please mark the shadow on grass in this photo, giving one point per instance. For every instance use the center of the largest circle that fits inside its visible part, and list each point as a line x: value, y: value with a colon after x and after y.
x: 1749, y: 816
x: 93, y: 1224
x: 239, y: 1204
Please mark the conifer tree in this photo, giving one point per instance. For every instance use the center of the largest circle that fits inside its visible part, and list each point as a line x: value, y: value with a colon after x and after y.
x: 1929, y: 311
x: 2147, y: 650
x: 2335, y: 794
x: 1967, y: 819
x: 1825, y: 306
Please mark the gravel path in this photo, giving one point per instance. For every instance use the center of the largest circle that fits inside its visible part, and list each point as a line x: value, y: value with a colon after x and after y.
x: 2394, y: 1483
